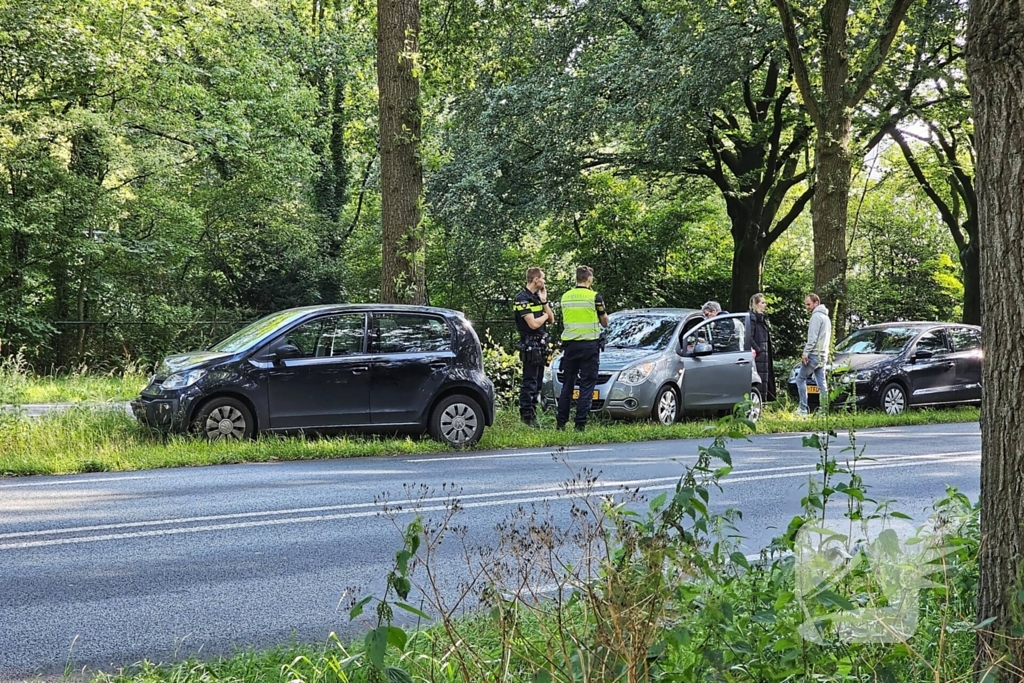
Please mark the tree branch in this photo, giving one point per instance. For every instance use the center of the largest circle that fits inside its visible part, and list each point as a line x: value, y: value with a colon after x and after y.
x: 787, y: 220
x: 880, y: 50
x: 947, y: 215
x: 796, y: 58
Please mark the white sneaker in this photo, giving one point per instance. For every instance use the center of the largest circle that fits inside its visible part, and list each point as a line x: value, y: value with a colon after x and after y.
x: 802, y: 412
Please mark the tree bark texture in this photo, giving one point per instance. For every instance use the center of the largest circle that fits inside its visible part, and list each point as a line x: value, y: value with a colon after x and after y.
x: 832, y: 161
x: 401, y: 174
x: 995, y: 62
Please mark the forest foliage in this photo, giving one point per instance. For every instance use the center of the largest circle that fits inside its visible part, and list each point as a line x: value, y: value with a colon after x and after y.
x: 171, y: 170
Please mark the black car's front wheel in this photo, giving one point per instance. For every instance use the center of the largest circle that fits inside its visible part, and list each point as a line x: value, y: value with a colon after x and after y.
x: 894, y: 399
x: 224, y: 419
x: 457, y: 421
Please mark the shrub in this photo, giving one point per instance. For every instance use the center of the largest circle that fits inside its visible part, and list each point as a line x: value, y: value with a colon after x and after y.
x: 505, y: 370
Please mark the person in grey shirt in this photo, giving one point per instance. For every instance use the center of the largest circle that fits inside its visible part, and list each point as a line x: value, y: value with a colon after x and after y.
x: 815, y: 353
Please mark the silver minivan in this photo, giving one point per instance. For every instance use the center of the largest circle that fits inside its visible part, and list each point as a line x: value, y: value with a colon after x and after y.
x: 663, y: 363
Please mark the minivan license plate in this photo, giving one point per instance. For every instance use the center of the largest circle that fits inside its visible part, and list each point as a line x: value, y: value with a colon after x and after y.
x: 812, y: 388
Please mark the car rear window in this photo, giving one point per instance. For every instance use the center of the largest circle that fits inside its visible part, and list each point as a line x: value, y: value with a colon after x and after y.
x: 410, y: 333
x: 965, y: 339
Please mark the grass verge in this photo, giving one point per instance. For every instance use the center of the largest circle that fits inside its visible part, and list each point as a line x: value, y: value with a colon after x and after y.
x: 91, y: 440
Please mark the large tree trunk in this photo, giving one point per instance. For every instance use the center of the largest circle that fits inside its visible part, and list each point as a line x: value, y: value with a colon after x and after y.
x: 828, y: 213
x: 995, y: 41
x: 401, y: 175
x: 747, y: 257
x: 747, y: 264
x: 971, y: 266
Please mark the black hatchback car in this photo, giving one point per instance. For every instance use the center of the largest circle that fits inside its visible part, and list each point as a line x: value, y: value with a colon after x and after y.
x: 897, y: 365
x: 326, y: 368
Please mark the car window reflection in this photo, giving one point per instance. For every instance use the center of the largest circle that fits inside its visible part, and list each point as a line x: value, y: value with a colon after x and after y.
x: 409, y: 333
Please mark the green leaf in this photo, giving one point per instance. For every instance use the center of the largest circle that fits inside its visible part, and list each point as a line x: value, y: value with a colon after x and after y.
x: 739, y: 558
x: 377, y: 646
x: 412, y: 610
x: 397, y: 637
x: 720, y: 453
x: 402, y: 587
x: 658, y: 502
x: 832, y: 599
x: 396, y: 675
x: 357, y: 609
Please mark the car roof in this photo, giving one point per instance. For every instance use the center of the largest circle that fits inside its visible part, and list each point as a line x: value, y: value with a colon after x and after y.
x: 666, y: 312
x: 362, y: 308
x: 913, y: 324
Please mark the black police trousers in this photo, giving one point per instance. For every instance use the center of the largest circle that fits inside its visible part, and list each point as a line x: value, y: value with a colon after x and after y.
x: 580, y: 362
x: 533, y: 376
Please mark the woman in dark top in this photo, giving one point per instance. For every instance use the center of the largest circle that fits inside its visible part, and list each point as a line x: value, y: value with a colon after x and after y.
x: 762, y: 345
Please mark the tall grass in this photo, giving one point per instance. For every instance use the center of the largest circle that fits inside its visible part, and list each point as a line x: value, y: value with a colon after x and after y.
x: 87, y: 439
x: 80, y: 384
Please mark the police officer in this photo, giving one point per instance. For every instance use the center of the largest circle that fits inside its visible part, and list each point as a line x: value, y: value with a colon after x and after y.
x: 583, y: 315
x: 533, y: 313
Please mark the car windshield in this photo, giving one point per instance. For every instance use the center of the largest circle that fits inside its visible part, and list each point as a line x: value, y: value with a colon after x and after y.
x: 256, y: 332
x: 887, y: 340
x: 648, y: 332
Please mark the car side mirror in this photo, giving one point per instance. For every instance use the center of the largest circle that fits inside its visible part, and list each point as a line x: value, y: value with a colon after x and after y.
x: 922, y: 354
x: 702, y: 350
x: 286, y: 351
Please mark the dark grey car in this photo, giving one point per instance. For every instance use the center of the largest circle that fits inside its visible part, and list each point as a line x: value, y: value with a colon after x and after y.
x: 379, y: 368
x: 662, y: 363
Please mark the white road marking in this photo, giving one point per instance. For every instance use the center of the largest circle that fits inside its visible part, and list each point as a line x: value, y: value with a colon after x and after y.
x: 518, y: 454
x: 68, y: 482
x: 602, y: 488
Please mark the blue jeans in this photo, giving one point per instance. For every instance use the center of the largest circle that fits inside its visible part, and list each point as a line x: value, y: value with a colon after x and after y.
x: 815, y: 368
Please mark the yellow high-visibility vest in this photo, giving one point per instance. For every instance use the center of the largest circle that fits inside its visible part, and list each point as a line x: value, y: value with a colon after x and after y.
x: 579, y: 315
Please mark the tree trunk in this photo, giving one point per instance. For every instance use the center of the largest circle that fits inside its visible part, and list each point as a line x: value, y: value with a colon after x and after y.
x: 401, y: 175
x: 995, y: 34
x: 828, y: 211
x: 970, y: 264
x: 747, y: 265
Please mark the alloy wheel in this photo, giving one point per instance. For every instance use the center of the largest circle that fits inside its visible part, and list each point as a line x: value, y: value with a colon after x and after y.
x: 225, y: 423
x: 754, y: 411
x: 458, y: 423
x: 894, y: 401
x: 667, y: 407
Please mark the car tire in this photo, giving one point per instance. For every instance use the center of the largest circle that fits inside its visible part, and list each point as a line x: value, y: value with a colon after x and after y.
x: 224, y: 419
x: 457, y: 421
x: 666, y: 406
x: 756, y: 404
x: 893, y: 399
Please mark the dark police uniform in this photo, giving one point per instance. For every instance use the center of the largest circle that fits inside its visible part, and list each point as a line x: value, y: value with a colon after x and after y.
x: 533, y: 351
x: 581, y: 312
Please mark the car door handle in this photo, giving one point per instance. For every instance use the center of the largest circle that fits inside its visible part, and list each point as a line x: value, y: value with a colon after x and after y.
x: 360, y: 369
x: 439, y: 365
x: 742, y: 361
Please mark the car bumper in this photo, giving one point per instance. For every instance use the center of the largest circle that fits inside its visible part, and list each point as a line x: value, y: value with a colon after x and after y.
x: 613, y: 398
x: 164, y: 413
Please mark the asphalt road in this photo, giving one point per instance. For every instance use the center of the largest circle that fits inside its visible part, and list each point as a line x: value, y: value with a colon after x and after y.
x: 103, y: 570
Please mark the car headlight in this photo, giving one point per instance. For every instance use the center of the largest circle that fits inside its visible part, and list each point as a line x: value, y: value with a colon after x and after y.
x: 548, y: 373
x: 864, y: 375
x: 636, y: 374
x: 180, y: 380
